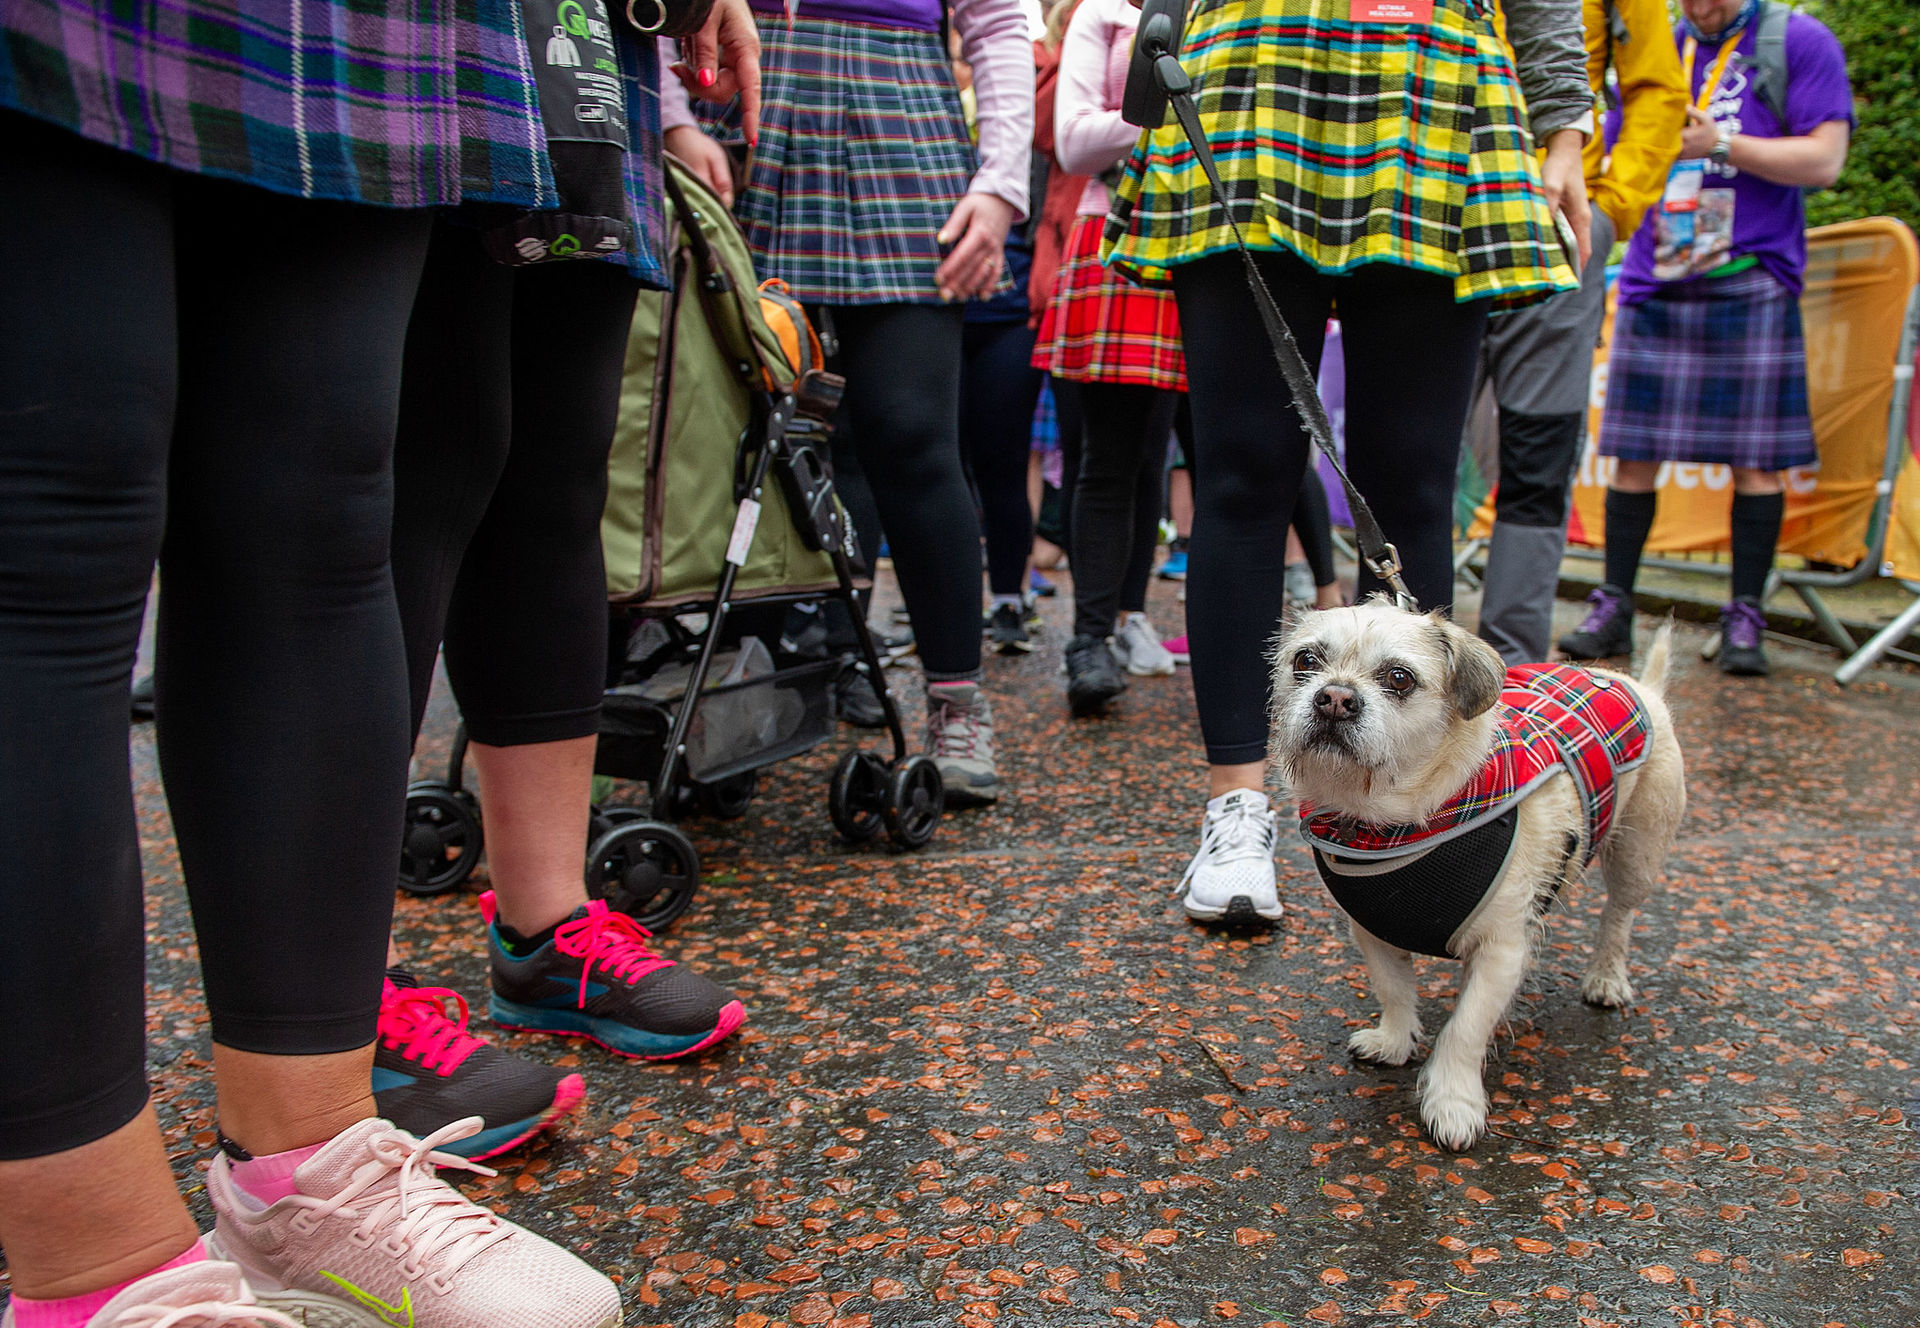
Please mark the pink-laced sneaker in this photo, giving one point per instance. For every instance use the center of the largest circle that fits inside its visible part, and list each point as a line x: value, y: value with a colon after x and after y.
x: 428, y: 1071
x: 371, y: 1237
x: 598, y: 978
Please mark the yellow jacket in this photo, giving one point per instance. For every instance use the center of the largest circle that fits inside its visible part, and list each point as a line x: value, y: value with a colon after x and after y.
x: 1636, y: 38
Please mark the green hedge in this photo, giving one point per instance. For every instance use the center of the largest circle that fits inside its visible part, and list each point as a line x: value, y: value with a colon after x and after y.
x: 1882, y: 176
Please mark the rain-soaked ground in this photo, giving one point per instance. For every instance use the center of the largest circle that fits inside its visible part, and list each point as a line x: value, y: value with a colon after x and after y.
x: 1005, y: 1080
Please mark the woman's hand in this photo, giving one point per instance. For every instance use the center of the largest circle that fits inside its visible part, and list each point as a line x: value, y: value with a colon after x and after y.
x: 977, y: 230
x: 1565, y: 177
x: 707, y: 159
x: 722, y: 61
x: 1698, y: 138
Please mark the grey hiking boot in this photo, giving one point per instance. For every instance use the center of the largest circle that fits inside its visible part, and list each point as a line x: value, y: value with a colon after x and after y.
x: 1606, y: 631
x: 960, y: 741
x: 1741, y: 624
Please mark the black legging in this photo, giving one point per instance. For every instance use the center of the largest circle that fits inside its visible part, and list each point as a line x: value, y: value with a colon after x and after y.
x: 506, y: 415
x: 1410, y: 351
x: 999, y: 388
x: 1149, y: 501
x: 1312, y: 517
x: 901, y: 414
x: 213, y: 379
x: 1117, y: 497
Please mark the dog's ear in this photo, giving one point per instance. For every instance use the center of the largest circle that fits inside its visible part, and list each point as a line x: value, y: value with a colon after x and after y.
x: 1475, y: 671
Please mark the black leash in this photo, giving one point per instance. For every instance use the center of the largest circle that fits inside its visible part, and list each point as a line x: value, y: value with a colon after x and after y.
x: 1156, y: 80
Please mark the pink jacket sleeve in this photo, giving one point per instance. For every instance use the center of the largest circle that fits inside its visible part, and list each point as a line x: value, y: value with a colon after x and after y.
x: 994, y: 42
x: 676, y: 108
x: 1089, y: 135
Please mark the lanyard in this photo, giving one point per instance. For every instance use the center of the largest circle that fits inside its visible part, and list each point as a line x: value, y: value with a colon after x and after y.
x: 1712, y: 84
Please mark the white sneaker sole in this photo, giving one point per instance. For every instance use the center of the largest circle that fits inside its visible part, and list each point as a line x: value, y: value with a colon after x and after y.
x: 1151, y: 670
x: 1240, y: 909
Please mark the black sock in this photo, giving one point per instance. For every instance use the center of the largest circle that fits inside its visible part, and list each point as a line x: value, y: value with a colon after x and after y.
x: 1629, y: 518
x: 1756, y: 533
x: 521, y: 946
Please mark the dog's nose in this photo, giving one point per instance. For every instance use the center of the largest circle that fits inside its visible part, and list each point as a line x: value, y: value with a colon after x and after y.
x: 1336, y: 702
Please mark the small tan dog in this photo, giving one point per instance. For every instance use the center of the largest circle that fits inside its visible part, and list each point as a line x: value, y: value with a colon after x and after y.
x: 1449, y: 800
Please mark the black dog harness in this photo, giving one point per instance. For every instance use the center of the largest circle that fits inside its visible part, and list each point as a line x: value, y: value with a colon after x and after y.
x: 1418, y: 887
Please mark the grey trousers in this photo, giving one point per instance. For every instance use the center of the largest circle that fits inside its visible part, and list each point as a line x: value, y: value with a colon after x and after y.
x: 1539, y: 361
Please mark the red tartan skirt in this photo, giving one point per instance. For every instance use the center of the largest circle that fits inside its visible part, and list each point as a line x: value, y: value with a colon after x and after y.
x: 1101, y: 328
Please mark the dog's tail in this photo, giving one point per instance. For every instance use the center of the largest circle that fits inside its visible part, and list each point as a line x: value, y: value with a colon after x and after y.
x: 1653, y: 673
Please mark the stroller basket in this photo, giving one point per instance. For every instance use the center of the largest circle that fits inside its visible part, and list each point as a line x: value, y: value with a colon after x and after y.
x: 736, y: 727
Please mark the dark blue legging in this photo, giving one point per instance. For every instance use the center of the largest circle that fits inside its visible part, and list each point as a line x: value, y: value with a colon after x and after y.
x: 999, y: 388
x: 211, y: 379
x: 1410, y: 353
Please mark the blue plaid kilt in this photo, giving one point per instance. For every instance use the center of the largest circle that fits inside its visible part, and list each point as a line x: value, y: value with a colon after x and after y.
x: 1712, y: 370
x: 863, y: 154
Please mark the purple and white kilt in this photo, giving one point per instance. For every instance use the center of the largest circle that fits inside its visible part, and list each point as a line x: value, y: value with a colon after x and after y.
x: 1714, y: 371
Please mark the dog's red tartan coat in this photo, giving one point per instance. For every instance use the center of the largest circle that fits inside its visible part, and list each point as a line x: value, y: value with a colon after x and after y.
x: 1554, y: 717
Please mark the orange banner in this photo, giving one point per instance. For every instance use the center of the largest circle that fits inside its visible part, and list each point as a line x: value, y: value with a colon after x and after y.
x: 1859, y: 276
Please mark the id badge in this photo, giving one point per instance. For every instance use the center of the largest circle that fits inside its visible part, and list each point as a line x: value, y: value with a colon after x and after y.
x: 1683, y: 186
x: 1411, y: 12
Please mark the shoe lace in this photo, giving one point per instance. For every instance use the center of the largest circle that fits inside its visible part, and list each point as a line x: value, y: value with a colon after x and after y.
x: 416, y: 1023
x: 204, y: 1314
x: 611, y: 940
x: 401, y: 1201
x: 953, y: 730
x: 1241, y: 829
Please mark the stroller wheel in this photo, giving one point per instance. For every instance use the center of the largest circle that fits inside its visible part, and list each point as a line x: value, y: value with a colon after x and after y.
x: 440, y: 842
x: 645, y: 869
x: 916, y: 796
x: 857, y: 796
x: 602, y: 819
x: 729, y: 798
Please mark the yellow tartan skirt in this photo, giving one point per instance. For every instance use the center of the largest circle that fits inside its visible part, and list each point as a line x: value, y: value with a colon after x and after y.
x: 1348, y: 144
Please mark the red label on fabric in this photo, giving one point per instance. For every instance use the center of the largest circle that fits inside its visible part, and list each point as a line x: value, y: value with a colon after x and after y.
x: 1390, y: 11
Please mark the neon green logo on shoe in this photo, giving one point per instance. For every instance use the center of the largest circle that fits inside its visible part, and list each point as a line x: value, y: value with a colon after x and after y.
x: 400, y: 1316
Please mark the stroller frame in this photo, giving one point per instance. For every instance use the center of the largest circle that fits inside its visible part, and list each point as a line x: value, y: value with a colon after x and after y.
x: 637, y: 860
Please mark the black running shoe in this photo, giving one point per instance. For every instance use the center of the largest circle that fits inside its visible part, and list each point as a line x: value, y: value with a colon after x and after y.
x: 597, y: 978
x: 1606, y: 631
x: 855, y: 700
x: 1093, y: 675
x: 1007, y: 628
x: 429, y: 1071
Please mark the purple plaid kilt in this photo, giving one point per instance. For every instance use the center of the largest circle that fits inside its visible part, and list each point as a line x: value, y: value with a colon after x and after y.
x: 1712, y: 370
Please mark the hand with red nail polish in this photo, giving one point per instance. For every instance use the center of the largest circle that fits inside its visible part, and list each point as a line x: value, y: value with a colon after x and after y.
x: 722, y: 61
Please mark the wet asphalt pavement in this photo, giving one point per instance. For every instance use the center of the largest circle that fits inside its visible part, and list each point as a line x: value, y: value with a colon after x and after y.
x: 1005, y: 1080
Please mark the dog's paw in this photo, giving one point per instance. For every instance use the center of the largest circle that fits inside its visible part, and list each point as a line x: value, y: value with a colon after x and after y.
x: 1610, y: 991
x: 1455, y: 1114
x: 1373, y: 1044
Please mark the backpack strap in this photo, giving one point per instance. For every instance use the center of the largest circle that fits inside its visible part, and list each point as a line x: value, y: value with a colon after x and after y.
x: 1770, y: 58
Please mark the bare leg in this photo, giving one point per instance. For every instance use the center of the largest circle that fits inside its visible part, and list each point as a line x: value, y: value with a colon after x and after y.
x: 269, y: 1104
x: 1453, y: 1100
x: 1222, y: 779
x: 536, y: 797
x: 1180, y: 501
x: 1390, y: 968
x: 51, y: 1214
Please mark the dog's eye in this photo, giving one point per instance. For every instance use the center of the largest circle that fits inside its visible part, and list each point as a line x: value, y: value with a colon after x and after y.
x: 1305, y: 662
x: 1399, y: 681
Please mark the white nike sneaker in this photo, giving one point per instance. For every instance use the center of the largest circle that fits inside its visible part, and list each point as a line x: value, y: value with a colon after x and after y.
x: 373, y: 1238
x: 208, y: 1294
x: 1139, y: 648
x: 1231, y: 878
